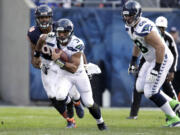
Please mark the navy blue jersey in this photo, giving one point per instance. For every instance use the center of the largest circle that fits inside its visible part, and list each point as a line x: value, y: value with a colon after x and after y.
x: 34, y: 33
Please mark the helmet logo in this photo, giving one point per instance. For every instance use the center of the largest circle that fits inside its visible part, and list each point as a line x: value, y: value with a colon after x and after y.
x: 60, y: 29
x: 125, y: 12
x: 44, y: 13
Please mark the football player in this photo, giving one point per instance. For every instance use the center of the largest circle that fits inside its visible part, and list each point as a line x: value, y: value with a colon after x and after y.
x: 159, y: 59
x: 44, y: 25
x: 162, y: 23
x: 73, y: 72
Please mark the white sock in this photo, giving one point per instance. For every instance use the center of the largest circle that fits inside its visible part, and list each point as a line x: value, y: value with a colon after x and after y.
x: 166, y: 108
x: 68, y: 100
x: 166, y: 96
x: 99, y: 120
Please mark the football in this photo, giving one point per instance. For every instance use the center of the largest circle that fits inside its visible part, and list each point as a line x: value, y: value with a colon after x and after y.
x: 63, y: 56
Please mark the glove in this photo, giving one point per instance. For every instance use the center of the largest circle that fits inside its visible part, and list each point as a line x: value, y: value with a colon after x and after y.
x: 151, y: 78
x: 92, y: 68
x: 51, y: 34
x: 60, y: 63
x: 44, y: 68
x: 133, y: 69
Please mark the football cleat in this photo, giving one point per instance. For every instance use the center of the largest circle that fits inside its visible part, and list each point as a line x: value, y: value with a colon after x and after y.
x: 79, y: 109
x: 175, y: 105
x: 102, y: 126
x: 172, y: 121
x: 132, y: 117
x: 71, y: 123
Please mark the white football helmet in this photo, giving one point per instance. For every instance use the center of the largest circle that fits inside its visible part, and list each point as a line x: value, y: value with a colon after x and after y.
x: 161, y: 21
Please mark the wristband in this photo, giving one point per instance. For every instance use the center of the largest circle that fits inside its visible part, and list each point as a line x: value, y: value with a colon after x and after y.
x: 133, y: 60
x: 60, y: 63
x: 157, y: 66
x: 36, y: 54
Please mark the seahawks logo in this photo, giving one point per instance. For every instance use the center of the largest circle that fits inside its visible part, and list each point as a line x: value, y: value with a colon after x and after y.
x: 79, y: 47
x: 147, y: 28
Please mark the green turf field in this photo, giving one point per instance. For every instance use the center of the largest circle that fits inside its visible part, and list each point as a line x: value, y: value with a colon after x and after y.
x: 46, y: 121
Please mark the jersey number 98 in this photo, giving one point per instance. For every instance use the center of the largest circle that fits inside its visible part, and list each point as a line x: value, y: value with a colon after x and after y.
x: 140, y: 46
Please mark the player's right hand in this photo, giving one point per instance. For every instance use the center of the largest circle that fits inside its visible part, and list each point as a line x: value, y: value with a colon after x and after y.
x: 36, y: 62
x: 133, y: 69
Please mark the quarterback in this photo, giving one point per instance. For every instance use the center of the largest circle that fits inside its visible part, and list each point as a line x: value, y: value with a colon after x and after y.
x: 72, y: 72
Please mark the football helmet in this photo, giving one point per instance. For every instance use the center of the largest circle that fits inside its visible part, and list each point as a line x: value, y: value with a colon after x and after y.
x: 43, y: 15
x: 64, y: 30
x: 131, y: 13
x: 161, y: 21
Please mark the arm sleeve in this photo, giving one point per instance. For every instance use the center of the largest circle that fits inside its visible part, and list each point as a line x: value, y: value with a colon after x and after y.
x: 173, y: 48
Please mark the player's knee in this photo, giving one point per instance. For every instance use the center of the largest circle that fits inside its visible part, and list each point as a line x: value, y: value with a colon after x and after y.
x: 147, y: 94
x: 61, y: 97
x: 89, y: 103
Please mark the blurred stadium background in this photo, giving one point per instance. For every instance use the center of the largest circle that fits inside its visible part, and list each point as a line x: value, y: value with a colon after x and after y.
x: 98, y: 23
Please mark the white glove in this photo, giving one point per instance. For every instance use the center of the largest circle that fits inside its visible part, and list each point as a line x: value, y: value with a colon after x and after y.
x: 51, y: 34
x: 132, y: 69
x: 151, y: 78
x: 92, y: 69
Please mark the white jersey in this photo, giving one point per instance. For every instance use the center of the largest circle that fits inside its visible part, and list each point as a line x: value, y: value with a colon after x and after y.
x: 74, y: 46
x: 137, y: 34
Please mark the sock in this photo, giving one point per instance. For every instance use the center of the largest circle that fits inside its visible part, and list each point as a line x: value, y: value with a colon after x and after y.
x: 99, y: 121
x: 77, y: 103
x: 165, y: 96
x: 166, y: 108
x: 95, y: 111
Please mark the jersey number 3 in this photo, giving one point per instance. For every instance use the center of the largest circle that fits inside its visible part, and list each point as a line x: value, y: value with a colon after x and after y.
x: 140, y: 46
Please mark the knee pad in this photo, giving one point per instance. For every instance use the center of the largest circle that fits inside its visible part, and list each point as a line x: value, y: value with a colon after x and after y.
x: 88, y: 103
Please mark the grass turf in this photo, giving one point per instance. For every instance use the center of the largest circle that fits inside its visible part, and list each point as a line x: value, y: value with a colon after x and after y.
x: 46, y: 121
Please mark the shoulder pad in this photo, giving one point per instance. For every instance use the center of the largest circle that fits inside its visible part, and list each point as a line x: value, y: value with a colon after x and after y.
x: 144, y: 28
x: 31, y: 29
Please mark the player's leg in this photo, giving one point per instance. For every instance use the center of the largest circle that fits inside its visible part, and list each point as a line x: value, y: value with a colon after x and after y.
x: 50, y: 82
x: 136, y: 96
x: 84, y: 87
x: 63, y: 87
x: 135, y: 104
x: 74, y: 94
x: 169, y: 90
x: 151, y: 91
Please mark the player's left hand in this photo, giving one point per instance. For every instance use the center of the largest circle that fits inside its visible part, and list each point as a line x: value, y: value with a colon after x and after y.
x: 151, y: 78
x: 170, y: 76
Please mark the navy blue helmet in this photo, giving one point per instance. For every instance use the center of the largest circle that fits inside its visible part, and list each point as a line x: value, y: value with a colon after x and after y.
x: 131, y: 12
x: 64, y: 30
x: 43, y: 11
